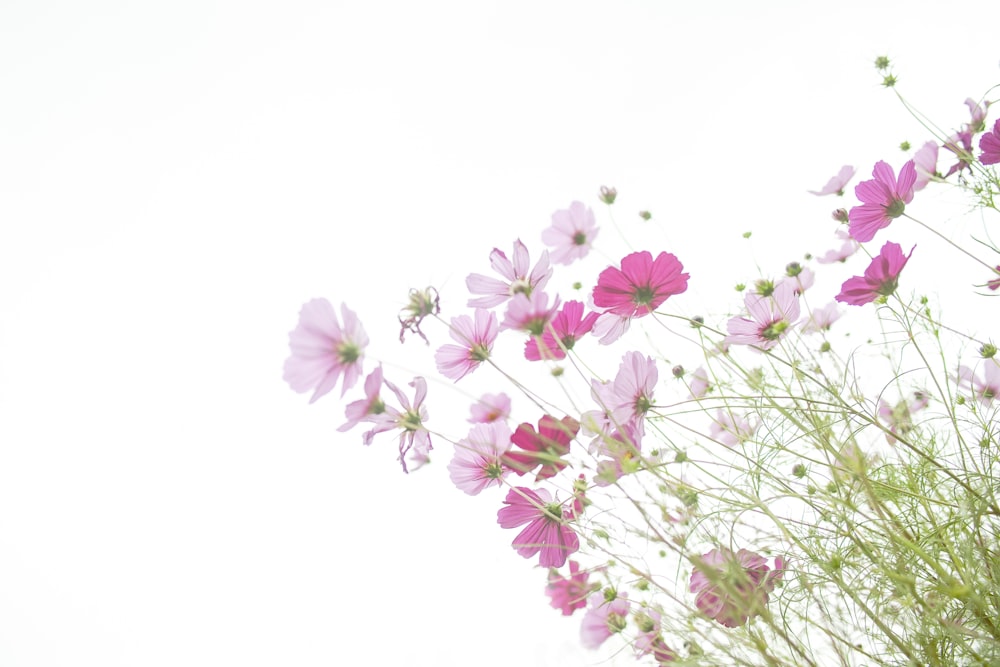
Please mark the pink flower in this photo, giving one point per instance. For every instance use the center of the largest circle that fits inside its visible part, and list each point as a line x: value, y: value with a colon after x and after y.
x: 884, y: 199
x: 519, y: 281
x: 414, y: 440
x: 569, y: 594
x: 641, y: 285
x: 994, y: 284
x: 630, y: 395
x: 322, y: 351
x: 989, y: 144
x: 369, y: 406
x: 822, y: 319
x: 699, y: 383
x: 900, y: 416
x: 622, y: 446
x: 572, y: 233
x: 476, y: 338
x: 881, y: 277
x: 547, y: 532
x: 490, y: 408
x: 960, y: 144
x: 985, y: 389
x: 568, y: 326
x: 478, y: 458
x: 731, y: 588
x: 801, y: 278
x: 603, y: 619
x: 610, y: 326
x: 977, y: 115
x: 837, y: 183
x: 544, y: 447
x: 847, y: 248
x: 648, y: 639
x: 530, y: 313
x: 925, y: 163
x: 770, y: 318
x: 730, y: 430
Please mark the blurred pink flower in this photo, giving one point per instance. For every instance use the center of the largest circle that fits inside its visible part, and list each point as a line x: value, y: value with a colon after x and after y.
x: 610, y: 326
x: 572, y: 233
x: 960, y: 144
x: 900, y: 416
x: 630, y: 395
x: 822, y: 319
x: 731, y: 588
x: 414, y: 440
x: 836, y: 184
x: 989, y: 144
x: 476, y: 342
x: 648, y: 639
x: 994, y: 284
x: 986, y: 389
x: 490, y: 408
x: 569, y: 594
x: 847, y: 248
x: 977, y: 115
x: 369, y: 406
x: 730, y: 430
x: 568, y: 326
x: 884, y: 199
x: 547, y: 532
x: 640, y: 285
x: 477, y: 462
x: 518, y: 279
x: 544, y: 447
x: 603, y: 619
x: 881, y: 277
x: 925, y: 163
x: 699, y: 383
x: 530, y: 313
x: 322, y: 350
x: 770, y: 319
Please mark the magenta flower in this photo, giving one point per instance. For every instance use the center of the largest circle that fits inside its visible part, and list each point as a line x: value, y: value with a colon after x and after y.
x: 322, y: 350
x: 960, y: 144
x: 490, y: 408
x: 572, y: 233
x: 847, y: 248
x: 730, y: 430
x: 731, y: 588
x: 478, y: 458
x: 569, y: 594
x: 977, y: 115
x: 476, y: 342
x: 925, y: 163
x: 822, y: 319
x: 546, y: 447
x: 900, y: 416
x: 770, y: 319
x: 530, y: 313
x: 641, y: 285
x: 603, y: 619
x: 989, y: 144
x: 518, y: 279
x: 547, y: 532
x: 994, y: 284
x: 884, y: 199
x: 567, y: 327
x: 414, y: 440
x: 368, y: 407
x: 837, y: 183
x: 881, y: 277
x: 986, y: 389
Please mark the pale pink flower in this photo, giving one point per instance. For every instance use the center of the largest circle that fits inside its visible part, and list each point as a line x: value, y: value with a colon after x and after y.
x: 572, y: 233
x: 569, y: 594
x: 603, y: 619
x: 730, y: 430
x: 699, y: 383
x: 989, y: 144
x: 477, y: 462
x: 322, y: 350
x: 610, y: 326
x: 531, y: 314
x: 847, y: 248
x: 732, y: 588
x: 516, y: 273
x: 899, y: 417
x: 476, y: 339
x: 800, y: 278
x: 630, y: 395
x: 544, y: 447
x: 884, y: 199
x: 490, y: 408
x: 640, y: 285
x: 836, y: 184
x: 567, y: 327
x: 547, y: 532
x: 821, y: 319
x: 414, y: 440
x: 977, y: 115
x: 925, y: 163
x: 368, y: 407
x: 881, y: 277
x: 648, y: 639
x: 622, y: 446
x: 960, y: 144
x: 985, y: 389
x: 771, y: 317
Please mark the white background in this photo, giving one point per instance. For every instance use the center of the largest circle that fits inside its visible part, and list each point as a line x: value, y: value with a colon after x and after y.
x: 177, y: 178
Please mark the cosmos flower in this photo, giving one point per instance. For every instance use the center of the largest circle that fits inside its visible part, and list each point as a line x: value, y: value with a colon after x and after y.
x: 567, y: 594
x: 414, y: 440
x: 518, y: 278
x: 572, y: 233
x: 883, y: 198
x: 567, y: 327
x: 731, y: 588
x: 544, y: 447
x: 989, y: 144
x: 985, y: 388
x: 490, y: 408
x: 547, y: 533
x: 881, y: 277
x: 640, y: 285
x: 323, y: 351
x: 770, y: 318
x: 603, y: 619
x: 475, y: 338
x: 477, y: 462
x: 836, y: 184
x: 925, y: 163
x: 899, y: 417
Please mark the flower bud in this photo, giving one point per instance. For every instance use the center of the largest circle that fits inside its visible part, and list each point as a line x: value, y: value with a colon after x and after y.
x: 678, y: 371
x: 645, y: 215
x: 840, y: 215
x: 608, y: 195
x: 987, y: 350
x: 793, y: 269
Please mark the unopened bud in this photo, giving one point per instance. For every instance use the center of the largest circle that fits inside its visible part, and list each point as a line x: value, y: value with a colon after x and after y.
x: 645, y: 215
x: 840, y: 215
x: 608, y: 194
x: 987, y: 350
x: 678, y: 371
x: 793, y: 269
